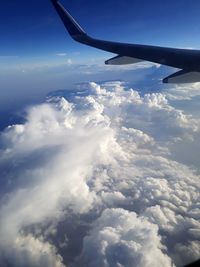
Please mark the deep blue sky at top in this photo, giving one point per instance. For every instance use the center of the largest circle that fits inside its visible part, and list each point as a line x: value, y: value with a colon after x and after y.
x: 31, y: 28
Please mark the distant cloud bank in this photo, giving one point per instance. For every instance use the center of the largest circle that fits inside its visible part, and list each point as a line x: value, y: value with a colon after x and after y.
x: 91, y: 180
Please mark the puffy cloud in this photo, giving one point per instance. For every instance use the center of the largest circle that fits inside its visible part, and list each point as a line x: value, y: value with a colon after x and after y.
x: 31, y: 251
x: 184, y: 92
x: 121, y: 238
x: 46, y: 168
x: 91, y: 178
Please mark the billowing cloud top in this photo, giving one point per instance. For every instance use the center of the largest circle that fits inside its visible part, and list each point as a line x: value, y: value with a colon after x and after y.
x: 94, y: 178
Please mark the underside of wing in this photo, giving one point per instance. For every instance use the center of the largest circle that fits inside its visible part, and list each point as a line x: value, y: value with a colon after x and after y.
x: 183, y: 76
x: 122, y: 60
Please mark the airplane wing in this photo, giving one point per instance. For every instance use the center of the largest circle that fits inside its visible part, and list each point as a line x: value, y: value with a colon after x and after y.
x: 185, y: 59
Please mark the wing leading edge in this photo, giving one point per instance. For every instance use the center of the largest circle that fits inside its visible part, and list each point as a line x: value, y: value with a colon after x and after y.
x: 184, y: 59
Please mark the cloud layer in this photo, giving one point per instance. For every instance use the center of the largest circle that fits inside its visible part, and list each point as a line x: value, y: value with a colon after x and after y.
x: 92, y: 179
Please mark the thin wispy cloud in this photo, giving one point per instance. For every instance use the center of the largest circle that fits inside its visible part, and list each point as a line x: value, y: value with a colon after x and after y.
x: 61, y: 54
x: 8, y: 56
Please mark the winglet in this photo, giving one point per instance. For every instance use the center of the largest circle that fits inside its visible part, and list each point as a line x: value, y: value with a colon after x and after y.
x: 71, y: 25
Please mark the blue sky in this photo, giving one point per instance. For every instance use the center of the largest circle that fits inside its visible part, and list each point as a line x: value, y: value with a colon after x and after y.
x: 33, y: 29
x: 37, y: 55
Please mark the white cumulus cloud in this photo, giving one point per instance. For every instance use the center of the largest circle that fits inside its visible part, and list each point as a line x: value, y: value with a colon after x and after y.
x: 121, y: 238
x: 92, y: 179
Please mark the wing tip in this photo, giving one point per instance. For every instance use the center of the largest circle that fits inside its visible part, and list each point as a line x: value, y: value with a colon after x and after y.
x: 70, y: 23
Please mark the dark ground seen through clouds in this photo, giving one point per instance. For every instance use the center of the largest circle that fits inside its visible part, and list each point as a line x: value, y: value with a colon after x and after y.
x: 94, y: 177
